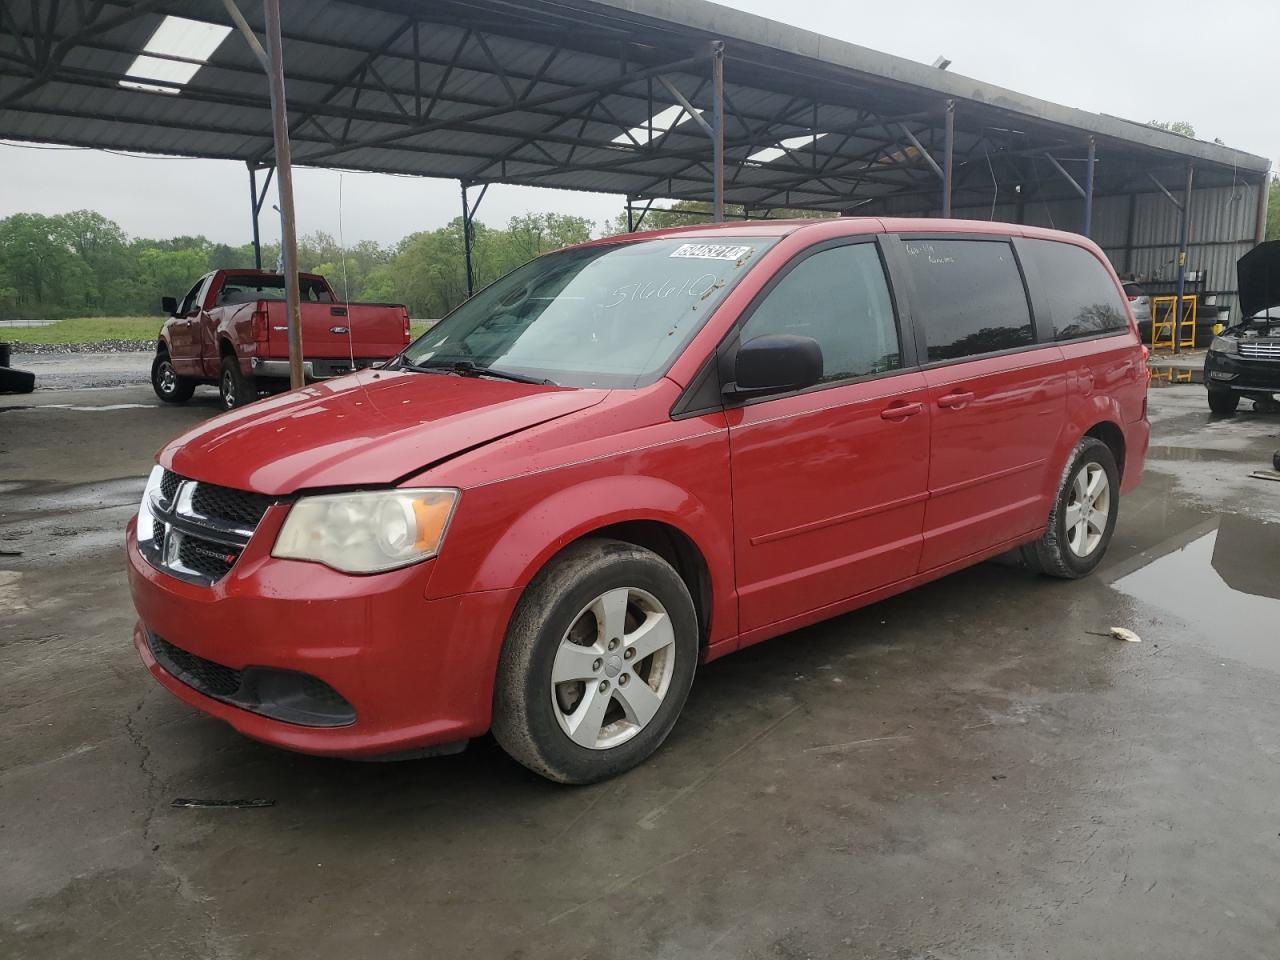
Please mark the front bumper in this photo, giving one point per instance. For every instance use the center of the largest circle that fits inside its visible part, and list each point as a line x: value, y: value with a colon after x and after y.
x: 414, y: 672
x: 1224, y: 371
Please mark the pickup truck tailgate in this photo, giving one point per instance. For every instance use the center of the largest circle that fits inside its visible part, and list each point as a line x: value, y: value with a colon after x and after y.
x: 368, y: 330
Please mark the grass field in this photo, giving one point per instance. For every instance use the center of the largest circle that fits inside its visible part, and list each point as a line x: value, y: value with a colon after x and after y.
x: 86, y: 330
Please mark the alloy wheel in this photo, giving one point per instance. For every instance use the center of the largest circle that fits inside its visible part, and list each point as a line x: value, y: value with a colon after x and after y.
x: 1088, y: 509
x: 168, y: 378
x: 613, y: 668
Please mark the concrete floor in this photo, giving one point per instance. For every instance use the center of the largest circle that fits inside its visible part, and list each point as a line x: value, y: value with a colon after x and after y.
x: 965, y: 771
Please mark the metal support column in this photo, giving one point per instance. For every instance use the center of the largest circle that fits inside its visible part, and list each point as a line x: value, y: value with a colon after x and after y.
x: 469, y: 231
x: 717, y: 130
x: 949, y: 143
x: 284, y: 164
x: 253, y: 210
x: 1088, y: 187
x: 466, y: 240
x: 631, y: 220
x: 1184, y: 228
x: 256, y: 200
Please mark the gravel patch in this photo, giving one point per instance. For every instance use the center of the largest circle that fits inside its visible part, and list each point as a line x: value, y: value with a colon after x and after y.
x: 96, y: 346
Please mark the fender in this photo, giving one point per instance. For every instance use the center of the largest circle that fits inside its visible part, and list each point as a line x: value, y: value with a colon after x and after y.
x: 570, y: 513
x: 226, y: 344
x: 1083, y: 414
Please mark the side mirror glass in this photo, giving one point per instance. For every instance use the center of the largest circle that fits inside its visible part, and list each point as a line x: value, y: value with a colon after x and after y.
x: 169, y: 305
x: 776, y: 363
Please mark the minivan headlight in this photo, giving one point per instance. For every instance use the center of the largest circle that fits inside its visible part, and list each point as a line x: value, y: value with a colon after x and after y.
x: 1224, y: 345
x: 369, y: 531
x: 145, y: 517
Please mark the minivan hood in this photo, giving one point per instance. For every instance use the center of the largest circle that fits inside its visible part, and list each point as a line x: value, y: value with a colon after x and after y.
x: 373, y: 427
x: 1258, y: 273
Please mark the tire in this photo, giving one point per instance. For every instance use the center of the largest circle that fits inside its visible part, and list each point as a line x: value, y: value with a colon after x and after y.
x: 551, y: 726
x: 1224, y: 402
x: 167, y: 384
x: 1059, y: 552
x: 234, y: 388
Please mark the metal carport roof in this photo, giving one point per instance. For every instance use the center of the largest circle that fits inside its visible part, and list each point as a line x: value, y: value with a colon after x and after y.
x: 544, y: 92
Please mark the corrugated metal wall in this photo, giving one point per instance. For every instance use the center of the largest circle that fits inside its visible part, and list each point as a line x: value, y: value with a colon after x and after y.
x: 1223, y: 220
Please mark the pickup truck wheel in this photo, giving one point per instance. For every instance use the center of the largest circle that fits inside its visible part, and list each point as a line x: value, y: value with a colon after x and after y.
x: 1224, y: 402
x: 234, y: 388
x: 1083, y: 515
x: 597, y: 663
x: 165, y: 381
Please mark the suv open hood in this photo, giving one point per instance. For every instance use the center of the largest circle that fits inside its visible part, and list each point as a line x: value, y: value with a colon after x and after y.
x: 373, y: 427
x: 1258, y: 273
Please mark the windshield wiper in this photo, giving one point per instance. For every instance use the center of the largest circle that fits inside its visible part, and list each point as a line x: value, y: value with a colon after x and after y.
x: 468, y: 368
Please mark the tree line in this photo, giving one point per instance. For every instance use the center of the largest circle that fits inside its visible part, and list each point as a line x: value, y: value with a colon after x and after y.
x: 82, y: 264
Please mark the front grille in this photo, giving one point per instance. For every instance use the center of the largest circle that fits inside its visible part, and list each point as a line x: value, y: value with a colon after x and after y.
x: 209, y: 559
x: 204, y: 675
x: 1260, y: 350
x: 199, y: 530
x: 238, y: 506
x: 280, y: 694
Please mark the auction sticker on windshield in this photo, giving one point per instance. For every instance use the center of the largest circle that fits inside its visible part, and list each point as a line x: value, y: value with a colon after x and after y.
x: 711, y: 251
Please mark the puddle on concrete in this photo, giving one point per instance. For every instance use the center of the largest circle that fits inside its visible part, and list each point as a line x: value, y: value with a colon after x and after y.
x: 1224, y: 581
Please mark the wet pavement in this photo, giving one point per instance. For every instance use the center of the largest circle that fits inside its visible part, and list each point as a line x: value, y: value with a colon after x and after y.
x: 964, y: 771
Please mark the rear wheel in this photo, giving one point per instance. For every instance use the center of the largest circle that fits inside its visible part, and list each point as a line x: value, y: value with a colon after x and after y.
x: 234, y: 388
x: 597, y: 663
x: 165, y: 381
x: 1223, y: 401
x: 1083, y: 515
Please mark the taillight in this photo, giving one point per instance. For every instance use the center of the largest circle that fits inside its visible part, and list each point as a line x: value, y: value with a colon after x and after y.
x: 260, y: 326
x: 405, y: 312
x: 1133, y: 299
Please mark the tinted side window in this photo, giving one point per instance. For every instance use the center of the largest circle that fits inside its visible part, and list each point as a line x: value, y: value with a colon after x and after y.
x: 1080, y: 291
x: 840, y: 298
x: 968, y: 294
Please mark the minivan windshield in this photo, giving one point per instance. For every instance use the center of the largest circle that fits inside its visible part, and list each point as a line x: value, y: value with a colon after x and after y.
x: 614, y: 315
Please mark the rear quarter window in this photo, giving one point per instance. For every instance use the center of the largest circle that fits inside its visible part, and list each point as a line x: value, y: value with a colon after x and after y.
x: 1081, y: 295
x: 969, y: 296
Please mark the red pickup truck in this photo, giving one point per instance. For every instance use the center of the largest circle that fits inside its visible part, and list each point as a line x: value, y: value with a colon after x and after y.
x: 232, y: 329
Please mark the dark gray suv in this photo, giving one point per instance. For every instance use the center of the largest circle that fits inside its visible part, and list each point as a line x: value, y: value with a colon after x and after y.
x: 1244, y: 360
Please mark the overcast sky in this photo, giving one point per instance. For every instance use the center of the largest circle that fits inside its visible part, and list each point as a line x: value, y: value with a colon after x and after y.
x: 1212, y: 65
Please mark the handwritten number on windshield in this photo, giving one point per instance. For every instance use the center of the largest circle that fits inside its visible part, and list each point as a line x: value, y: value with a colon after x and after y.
x: 639, y: 291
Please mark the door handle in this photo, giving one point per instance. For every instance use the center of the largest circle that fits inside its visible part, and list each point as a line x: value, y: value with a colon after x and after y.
x: 900, y: 411
x: 955, y: 400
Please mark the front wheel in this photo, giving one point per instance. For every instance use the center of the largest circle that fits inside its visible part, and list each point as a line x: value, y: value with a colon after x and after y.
x: 165, y: 381
x: 597, y: 663
x: 1224, y: 402
x: 234, y: 388
x: 1083, y: 515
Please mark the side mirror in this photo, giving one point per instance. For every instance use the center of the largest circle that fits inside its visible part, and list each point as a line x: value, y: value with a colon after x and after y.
x: 169, y: 305
x: 775, y: 364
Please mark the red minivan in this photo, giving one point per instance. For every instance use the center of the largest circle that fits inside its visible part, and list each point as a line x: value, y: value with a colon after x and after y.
x: 629, y: 457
